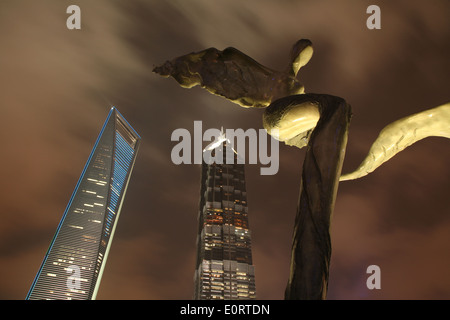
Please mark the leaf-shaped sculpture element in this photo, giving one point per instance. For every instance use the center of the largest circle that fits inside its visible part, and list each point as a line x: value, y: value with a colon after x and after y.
x: 237, y: 77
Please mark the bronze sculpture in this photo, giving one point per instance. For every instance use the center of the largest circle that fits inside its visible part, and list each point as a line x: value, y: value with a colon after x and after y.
x: 318, y: 121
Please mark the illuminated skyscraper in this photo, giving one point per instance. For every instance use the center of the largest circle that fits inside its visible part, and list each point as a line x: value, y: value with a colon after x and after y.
x: 224, y: 268
x: 73, y: 265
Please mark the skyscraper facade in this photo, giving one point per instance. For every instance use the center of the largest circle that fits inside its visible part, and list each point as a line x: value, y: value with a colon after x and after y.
x: 73, y: 265
x: 224, y: 268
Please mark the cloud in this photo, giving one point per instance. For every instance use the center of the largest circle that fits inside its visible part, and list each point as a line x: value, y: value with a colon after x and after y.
x: 57, y: 86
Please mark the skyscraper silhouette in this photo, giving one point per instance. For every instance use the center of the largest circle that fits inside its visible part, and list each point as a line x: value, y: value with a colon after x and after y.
x: 224, y: 268
x: 73, y: 265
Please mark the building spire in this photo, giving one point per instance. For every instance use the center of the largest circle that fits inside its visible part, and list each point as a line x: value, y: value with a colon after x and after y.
x: 219, y: 140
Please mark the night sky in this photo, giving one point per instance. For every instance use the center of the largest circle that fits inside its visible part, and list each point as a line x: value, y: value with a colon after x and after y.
x: 57, y: 86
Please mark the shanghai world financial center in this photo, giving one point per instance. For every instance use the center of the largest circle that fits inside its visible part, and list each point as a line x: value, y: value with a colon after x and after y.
x: 73, y: 265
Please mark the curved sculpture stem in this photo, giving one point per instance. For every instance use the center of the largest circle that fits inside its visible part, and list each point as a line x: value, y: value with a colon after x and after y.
x: 311, y: 247
x: 402, y: 133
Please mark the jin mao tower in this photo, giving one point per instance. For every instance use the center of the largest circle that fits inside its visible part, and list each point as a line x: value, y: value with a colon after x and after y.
x: 224, y: 268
